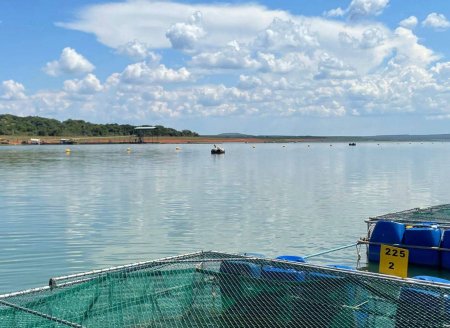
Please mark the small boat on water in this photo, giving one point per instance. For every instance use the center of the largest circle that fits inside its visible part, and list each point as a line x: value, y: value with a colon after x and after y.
x: 352, y: 144
x: 217, y: 150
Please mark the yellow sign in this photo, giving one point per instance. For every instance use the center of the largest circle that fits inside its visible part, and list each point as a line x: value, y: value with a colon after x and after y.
x: 394, y: 261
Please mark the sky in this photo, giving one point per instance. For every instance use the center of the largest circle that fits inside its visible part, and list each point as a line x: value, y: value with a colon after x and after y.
x: 322, y: 67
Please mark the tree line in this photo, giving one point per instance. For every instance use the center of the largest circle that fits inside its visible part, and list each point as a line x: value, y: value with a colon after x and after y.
x: 47, y: 127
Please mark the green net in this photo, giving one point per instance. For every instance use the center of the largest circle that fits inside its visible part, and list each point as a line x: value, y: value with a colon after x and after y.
x: 211, y: 289
x: 435, y: 214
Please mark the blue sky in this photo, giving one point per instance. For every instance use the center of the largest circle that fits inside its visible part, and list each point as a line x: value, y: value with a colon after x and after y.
x: 325, y: 67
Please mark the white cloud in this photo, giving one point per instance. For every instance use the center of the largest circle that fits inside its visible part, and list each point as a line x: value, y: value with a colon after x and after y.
x: 436, y: 21
x: 360, y: 9
x: 338, y: 12
x: 285, y: 34
x: 333, y: 68
x: 138, y: 50
x: 269, y: 64
x: 186, y: 35
x: 89, y: 85
x: 141, y: 73
x: 70, y: 62
x: 441, y: 72
x: 116, y: 24
x: 233, y: 56
x: 363, y: 8
x: 248, y: 82
x: 12, y: 90
x: 410, y: 22
x: 409, y: 51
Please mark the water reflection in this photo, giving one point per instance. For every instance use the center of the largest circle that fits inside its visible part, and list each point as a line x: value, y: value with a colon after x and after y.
x: 102, y: 206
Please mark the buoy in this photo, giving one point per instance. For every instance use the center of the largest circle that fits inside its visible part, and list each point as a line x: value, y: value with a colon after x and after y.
x: 177, y: 148
x: 128, y: 149
x: 68, y: 150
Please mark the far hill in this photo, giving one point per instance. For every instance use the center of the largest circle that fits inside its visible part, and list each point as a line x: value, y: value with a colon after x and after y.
x: 11, y: 125
x: 234, y: 135
x: 380, y: 138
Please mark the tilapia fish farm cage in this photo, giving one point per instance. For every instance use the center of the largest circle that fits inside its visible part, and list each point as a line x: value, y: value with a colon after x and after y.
x: 425, y: 232
x: 212, y: 289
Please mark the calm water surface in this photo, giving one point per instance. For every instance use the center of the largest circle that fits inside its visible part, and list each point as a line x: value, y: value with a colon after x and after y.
x: 101, y: 206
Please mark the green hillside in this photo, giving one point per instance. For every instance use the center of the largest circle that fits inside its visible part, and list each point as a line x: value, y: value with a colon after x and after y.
x: 39, y: 126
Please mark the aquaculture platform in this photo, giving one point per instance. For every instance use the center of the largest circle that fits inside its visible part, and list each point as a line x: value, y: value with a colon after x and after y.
x: 212, y: 289
x: 423, y: 232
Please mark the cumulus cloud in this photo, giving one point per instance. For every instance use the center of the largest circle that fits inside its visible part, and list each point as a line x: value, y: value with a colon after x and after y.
x: 360, y: 9
x: 272, y: 65
x: 148, y: 21
x: 333, y: 68
x: 436, y: 21
x: 186, y: 35
x: 364, y: 8
x: 441, y: 71
x: 12, y: 90
x: 70, y: 62
x: 138, y: 50
x: 409, y: 51
x: 233, y: 56
x: 140, y: 73
x: 248, y: 82
x: 337, y: 12
x: 410, y: 22
x: 269, y: 62
x: 285, y: 34
x: 89, y: 85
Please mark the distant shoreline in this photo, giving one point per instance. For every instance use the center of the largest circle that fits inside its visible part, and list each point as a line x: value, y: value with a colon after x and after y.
x: 29, y: 140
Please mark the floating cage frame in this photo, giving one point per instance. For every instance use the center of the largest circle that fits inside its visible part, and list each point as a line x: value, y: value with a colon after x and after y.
x: 213, y: 289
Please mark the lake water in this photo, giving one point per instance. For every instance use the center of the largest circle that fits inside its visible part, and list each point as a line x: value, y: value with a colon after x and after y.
x: 102, y: 206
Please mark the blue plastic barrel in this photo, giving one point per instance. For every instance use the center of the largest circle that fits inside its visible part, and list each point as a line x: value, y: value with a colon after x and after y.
x: 291, y: 258
x: 386, y: 232
x: 273, y: 273
x: 341, y: 266
x: 432, y: 279
x: 241, y: 268
x: 429, y: 237
x: 237, y: 287
x: 445, y: 256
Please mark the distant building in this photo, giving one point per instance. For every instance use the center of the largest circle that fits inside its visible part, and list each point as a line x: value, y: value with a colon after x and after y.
x: 66, y: 141
x: 142, y: 131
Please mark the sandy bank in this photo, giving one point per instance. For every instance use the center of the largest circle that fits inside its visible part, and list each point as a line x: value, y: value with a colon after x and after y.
x: 27, y: 140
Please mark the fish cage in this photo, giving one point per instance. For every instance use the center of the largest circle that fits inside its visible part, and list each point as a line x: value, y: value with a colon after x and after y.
x: 435, y: 214
x: 424, y: 232
x: 212, y: 289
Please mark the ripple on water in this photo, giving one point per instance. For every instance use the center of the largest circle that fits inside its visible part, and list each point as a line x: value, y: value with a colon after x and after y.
x: 101, y: 206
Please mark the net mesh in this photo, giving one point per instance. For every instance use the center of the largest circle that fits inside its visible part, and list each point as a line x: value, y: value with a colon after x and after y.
x: 211, y: 289
x: 435, y: 214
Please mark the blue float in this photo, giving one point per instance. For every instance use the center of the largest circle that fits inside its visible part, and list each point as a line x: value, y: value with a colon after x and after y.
x: 386, y: 232
x: 281, y: 274
x: 341, y: 266
x: 445, y: 256
x: 240, y: 268
x: 428, y: 237
x: 432, y: 279
x: 291, y: 258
